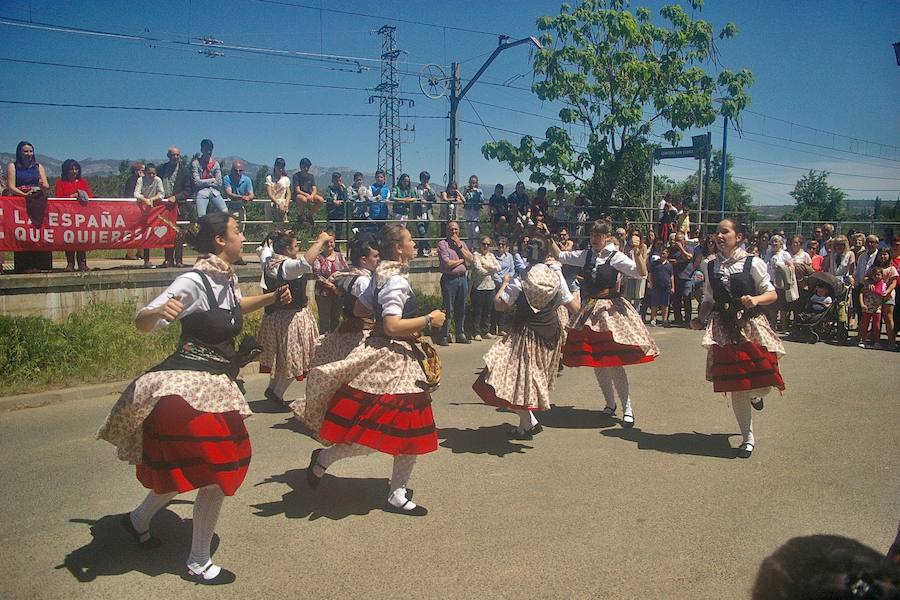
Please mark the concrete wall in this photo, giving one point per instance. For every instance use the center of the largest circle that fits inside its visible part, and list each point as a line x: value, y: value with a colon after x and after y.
x: 56, y: 295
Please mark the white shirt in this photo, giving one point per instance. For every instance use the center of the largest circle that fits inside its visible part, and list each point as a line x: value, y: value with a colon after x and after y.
x: 780, y: 258
x: 189, y: 287
x: 621, y: 262
x: 392, y: 297
x: 864, y: 262
x: 758, y: 270
x: 292, y: 268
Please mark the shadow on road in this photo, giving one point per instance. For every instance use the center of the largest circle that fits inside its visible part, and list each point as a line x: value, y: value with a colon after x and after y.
x: 336, y: 497
x: 267, y: 407
x: 713, y: 445
x: 484, y: 440
x: 112, y: 551
x: 292, y: 424
x: 569, y: 417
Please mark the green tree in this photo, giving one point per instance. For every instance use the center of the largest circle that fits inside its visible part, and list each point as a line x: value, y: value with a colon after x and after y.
x: 877, y: 208
x: 618, y: 74
x: 816, y: 200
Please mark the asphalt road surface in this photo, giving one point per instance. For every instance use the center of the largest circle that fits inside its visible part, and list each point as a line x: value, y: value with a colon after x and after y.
x: 585, y: 510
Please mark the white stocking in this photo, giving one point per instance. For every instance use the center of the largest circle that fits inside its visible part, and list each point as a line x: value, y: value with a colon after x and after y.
x: 279, y: 384
x: 332, y: 454
x: 740, y: 402
x: 143, y: 514
x: 620, y: 382
x: 604, y: 378
x: 403, y: 466
x: 206, y: 515
x: 526, y: 419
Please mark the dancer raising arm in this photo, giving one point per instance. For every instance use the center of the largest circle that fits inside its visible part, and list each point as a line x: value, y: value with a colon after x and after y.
x: 288, y: 332
x: 182, y: 422
x: 743, y: 350
x: 380, y: 394
x: 607, y: 333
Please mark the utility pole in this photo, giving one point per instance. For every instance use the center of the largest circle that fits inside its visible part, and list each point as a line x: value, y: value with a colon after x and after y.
x: 389, y: 158
x: 457, y: 95
x: 724, y: 166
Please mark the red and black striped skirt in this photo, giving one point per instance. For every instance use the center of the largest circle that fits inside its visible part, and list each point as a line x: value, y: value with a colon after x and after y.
x: 390, y: 423
x: 489, y: 396
x: 744, y: 366
x: 588, y: 348
x: 185, y: 449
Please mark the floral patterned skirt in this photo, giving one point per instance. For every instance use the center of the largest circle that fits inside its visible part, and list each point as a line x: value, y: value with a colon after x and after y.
x: 289, y: 340
x: 608, y: 333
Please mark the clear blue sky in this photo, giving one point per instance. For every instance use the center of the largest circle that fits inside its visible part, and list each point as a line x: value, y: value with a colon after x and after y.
x: 827, y: 65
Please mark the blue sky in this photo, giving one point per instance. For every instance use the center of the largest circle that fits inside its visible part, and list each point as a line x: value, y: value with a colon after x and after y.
x: 824, y: 70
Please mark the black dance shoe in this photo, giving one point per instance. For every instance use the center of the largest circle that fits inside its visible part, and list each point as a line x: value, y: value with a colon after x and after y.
x: 628, y: 421
x: 745, y: 450
x: 148, y: 544
x: 223, y: 577
x: 757, y: 403
x: 418, y: 511
x: 311, y: 478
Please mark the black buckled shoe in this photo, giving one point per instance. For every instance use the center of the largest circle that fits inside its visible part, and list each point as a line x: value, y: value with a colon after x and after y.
x: 223, y: 577
x: 757, y: 403
x: 745, y: 450
x: 149, y: 543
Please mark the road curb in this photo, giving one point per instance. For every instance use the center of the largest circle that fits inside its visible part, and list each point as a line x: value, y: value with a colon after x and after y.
x: 59, y: 396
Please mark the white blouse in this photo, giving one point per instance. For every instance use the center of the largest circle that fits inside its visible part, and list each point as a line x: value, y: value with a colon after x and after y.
x: 621, y: 262
x: 392, y: 296
x: 189, y: 287
x: 758, y: 270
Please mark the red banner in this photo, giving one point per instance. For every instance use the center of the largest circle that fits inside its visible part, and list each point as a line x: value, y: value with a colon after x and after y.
x: 67, y: 224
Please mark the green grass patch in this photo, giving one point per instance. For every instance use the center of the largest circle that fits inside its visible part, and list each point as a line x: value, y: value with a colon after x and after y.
x: 95, y: 344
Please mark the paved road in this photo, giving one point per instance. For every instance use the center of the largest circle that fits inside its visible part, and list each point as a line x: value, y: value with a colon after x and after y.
x: 585, y: 510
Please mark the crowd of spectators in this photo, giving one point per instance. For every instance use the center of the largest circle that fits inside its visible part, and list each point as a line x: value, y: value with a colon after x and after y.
x: 473, y: 263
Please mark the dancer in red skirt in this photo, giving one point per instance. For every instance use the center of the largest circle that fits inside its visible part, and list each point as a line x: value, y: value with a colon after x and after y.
x: 355, y: 327
x: 608, y: 332
x: 379, y: 396
x: 742, y: 349
x: 182, y: 422
x: 521, y: 368
x: 288, y: 333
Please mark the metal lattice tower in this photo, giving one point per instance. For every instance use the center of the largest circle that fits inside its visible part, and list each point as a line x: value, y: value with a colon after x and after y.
x: 388, y: 90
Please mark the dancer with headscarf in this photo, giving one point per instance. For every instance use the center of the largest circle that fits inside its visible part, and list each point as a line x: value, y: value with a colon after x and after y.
x: 521, y: 368
x: 742, y: 348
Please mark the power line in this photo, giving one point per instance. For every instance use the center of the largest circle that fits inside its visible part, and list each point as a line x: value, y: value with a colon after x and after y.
x: 353, y: 13
x: 807, y: 169
x: 186, y: 75
x: 818, y: 130
x: 208, y: 46
x: 205, y: 110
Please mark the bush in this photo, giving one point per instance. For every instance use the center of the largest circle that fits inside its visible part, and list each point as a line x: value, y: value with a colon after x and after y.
x: 97, y: 343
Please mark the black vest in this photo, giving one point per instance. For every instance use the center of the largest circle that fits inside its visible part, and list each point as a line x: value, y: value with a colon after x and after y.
x: 597, y: 278
x: 207, y: 337
x: 544, y: 323
x: 739, y: 284
x: 299, y: 300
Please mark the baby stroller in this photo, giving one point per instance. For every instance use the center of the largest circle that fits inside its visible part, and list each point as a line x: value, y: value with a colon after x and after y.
x: 831, y: 324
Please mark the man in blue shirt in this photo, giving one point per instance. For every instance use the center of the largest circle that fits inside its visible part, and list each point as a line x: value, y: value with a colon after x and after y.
x: 381, y: 193
x: 238, y: 190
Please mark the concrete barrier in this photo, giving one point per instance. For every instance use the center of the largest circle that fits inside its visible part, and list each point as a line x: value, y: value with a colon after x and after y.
x: 56, y: 295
